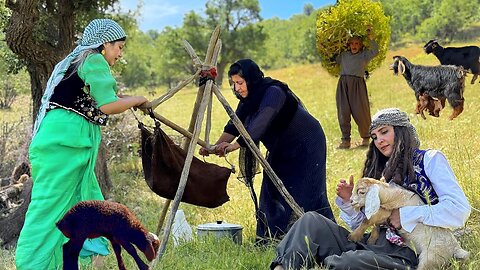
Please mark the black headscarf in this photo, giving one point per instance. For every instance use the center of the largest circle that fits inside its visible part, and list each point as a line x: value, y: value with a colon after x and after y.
x: 257, y: 85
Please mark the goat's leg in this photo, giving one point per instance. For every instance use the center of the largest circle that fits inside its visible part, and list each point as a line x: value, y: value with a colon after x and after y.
x: 474, y: 79
x: 429, y: 259
x: 442, y: 101
x: 437, y: 107
x: 118, y: 253
x: 133, y: 252
x: 357, y: 234
x: 372, y: 239
x: 457, y: 110
x: 71, y: 251
x: 422, y: 104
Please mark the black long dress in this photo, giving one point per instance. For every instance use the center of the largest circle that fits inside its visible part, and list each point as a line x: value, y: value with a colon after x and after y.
x: 296, y: 152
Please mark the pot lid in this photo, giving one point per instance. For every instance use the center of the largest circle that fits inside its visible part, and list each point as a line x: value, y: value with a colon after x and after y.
x: 220, y: 225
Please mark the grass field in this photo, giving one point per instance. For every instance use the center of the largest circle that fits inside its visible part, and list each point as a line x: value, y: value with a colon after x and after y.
x: 457, y: 139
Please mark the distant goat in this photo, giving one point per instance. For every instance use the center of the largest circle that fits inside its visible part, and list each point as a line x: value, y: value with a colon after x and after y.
x: 437, y: 81
x: 435, y: 245
x: 91, y: 219
x: 468, y: 57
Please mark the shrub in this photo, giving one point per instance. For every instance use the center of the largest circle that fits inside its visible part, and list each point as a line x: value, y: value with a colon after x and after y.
x: 8, y: 94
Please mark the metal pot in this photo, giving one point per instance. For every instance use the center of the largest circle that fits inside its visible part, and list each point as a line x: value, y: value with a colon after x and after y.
x: 221, y: 229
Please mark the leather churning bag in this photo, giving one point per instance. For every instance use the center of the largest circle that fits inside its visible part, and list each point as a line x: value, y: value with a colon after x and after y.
x: 163, y: 161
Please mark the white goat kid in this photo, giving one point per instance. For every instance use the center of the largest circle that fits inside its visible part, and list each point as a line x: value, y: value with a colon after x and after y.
x: 434, y: 245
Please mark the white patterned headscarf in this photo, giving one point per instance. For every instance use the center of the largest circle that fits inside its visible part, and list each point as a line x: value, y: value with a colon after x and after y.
x: 97, y: 32
x: 394, y: 117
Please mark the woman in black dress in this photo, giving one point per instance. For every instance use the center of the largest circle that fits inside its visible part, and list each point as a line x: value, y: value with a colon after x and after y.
x: 295, y: 141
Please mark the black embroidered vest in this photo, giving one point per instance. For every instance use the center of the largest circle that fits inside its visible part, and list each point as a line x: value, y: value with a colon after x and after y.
x: 422, y: 186
x: 72, y: 94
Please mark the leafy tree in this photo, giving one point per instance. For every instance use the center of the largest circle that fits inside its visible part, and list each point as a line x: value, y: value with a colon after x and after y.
x: 426, y: 19
x: 289, y: 41
x: 447, y: 18
x: 42, y: 32
x: 140, y: 53
x: 308, y: 9
x: 407, y: 15
x: 13, y: 78
x: 174, y: 64
x: 241, y: 35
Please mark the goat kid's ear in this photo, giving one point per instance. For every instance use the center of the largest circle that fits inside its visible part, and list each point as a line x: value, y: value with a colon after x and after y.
x: 372, y: 201
x: 150, y: 252
x: 152, y: 246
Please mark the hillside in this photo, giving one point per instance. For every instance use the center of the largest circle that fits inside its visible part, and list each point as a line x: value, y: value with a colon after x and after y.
x: 457, y: 139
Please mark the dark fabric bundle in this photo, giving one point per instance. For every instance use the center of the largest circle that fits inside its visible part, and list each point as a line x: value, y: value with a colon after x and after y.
x: 163, y: 162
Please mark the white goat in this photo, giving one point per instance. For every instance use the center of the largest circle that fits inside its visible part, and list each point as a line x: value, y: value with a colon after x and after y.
x: 434, y: 245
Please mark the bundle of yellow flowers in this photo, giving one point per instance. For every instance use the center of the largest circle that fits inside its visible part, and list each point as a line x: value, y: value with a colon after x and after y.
x: 348, y: 18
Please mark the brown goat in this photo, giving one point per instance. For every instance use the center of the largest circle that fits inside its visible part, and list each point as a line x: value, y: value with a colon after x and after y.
x: 91, y: 219
x: 432, y: 105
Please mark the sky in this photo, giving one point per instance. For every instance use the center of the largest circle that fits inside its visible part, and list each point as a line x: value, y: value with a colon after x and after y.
x: 157, y: 14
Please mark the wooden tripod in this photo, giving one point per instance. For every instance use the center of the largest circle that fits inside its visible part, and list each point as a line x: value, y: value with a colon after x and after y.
x: 204, y: 103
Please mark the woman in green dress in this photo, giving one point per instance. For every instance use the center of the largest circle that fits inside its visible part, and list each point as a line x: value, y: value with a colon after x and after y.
x: 79, y: 96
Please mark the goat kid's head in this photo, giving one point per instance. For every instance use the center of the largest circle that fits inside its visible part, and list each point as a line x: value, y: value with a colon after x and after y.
x: 430, y: 46
x: 367, y: 194
x: 151, y: 249
x: 398, y: 65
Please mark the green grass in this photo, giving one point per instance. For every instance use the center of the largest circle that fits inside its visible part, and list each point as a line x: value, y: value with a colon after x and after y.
x: 457, y: 139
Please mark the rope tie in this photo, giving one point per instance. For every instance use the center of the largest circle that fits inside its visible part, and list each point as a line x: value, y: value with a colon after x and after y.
x: 232, y: 166
x: 207, y: 74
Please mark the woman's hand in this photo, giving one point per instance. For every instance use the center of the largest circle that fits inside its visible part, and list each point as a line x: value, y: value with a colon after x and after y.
x: 123, y: 103
x: 370, y: 32
x: 344, y: 189
x: 207, y: 151
x: 223, y: 148
x: 394, y: 219
x: 142, y: 103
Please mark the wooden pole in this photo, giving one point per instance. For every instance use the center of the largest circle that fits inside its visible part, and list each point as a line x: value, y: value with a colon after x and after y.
x: 178, y: 128
x: 185, y: 172
x: 202, y: 98
x: 170, y: 93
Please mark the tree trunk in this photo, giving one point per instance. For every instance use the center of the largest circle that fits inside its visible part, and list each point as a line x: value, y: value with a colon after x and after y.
x: 38, y: 79
x: 221, y: 65
x: 42, y: 33
x: 101, y: 171
x: 41, y: 41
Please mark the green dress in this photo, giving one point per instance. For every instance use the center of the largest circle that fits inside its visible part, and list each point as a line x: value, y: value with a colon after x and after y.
x: 62, y: 156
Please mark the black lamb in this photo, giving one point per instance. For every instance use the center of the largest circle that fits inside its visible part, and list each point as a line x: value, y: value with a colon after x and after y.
x: 91, y: 219
x: 468, y: 57
x: 437, y: 81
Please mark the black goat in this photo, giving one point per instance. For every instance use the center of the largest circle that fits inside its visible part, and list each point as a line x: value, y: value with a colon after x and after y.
x: 436, y: 81
x: 468, y: 57
x: 91, y: 219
